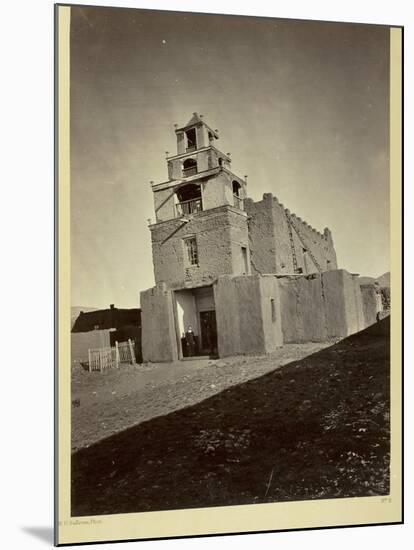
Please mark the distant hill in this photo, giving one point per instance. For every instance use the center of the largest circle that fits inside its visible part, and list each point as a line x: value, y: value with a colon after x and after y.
x: 75, y: 310
x: 384, y: 280
x: 366, y: 280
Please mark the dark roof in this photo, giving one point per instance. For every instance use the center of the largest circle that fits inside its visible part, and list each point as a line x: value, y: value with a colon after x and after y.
x: 106, y: 319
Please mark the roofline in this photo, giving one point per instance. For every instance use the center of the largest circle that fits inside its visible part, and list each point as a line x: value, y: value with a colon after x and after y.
x: 190, y: 179
x: 205, y: 148
x: 235, y: 176
x: 199, y: 123
x: 199, y: 175
x: 209, y: 211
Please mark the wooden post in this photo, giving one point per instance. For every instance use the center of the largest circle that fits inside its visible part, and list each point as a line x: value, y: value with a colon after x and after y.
x: 100, y: 360
x: 117, y: 354
x: 131, y: 351
x: 89, y: 358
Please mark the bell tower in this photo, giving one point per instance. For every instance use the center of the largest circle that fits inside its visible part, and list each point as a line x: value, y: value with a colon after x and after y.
x: 192, y: 169
x: 196, y: 149
x: 200, y: 230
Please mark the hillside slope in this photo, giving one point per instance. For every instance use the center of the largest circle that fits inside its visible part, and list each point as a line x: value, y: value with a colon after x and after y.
x: 315, y: 428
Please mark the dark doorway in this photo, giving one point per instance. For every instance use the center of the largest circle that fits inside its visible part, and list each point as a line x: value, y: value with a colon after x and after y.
x: 208, y: 329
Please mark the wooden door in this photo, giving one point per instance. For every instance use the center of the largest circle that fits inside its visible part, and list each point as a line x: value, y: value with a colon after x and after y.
x: 208, y: 330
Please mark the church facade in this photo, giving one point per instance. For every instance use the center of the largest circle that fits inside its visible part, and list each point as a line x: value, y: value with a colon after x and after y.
x: 245, y: 276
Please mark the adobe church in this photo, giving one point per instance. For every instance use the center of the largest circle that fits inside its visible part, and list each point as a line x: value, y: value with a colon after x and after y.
x: 246, y: 276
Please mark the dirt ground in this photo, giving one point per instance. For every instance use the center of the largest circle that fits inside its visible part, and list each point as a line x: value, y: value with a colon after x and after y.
x: 108, y: 402
x: 304, y: 423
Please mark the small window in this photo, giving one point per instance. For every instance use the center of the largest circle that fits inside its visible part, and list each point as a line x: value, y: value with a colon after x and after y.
x: 191, y: 249
x: 273, y: 309
x: 244, y: 260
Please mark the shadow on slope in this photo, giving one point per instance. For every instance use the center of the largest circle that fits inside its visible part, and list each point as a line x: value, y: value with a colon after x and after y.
x: 315, y: 428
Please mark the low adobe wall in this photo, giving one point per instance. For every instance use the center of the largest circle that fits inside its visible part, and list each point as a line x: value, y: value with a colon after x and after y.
x: 303, y: 310
x: 369, y: 303
x: 81, y: 342
x: 247, y: 314
x: 159, y: 341
x: 321, y: 306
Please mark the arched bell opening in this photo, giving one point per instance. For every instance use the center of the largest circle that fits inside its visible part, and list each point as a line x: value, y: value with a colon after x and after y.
x: 237, y: 194
x: 189, y: 167
x: 189, y: 199
x: 191, y: 138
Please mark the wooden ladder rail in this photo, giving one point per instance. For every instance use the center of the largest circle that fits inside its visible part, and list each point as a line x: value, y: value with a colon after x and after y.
x: 292, y: 244
x: 295, y: 264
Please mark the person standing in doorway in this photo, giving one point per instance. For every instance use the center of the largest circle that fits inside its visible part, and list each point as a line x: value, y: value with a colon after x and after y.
x: 190, y: 341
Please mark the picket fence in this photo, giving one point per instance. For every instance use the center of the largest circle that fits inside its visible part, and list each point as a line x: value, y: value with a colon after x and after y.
x: 110, y: 357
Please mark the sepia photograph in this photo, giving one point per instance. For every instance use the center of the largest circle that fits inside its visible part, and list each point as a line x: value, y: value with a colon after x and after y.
x: 225, y: 257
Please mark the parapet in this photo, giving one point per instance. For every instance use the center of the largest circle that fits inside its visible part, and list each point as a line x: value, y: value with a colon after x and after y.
x: 298, y: 221
x: 269, y: 200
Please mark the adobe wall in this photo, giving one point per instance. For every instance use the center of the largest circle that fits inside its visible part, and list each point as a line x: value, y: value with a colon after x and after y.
x: 159, y: 339
x: 206, y: 159
x: 321, y: 306
x: 271, y: 312
x: 334, y: 303
x: 243, y: 314
x: 216, y: 190
x: 81, y: 342
x: 353, y: 303
x: 320, y: 244
x: 303, y: 309
x: 369, y: 303
x: 271, y: 249
x: 261, y: 237
x: 218, y: 231
x: 201, y: 137
x: 164, y: 204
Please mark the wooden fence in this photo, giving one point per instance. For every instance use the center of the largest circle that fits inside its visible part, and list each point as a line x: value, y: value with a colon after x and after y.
x: 126, y: 351
x: 108, y: 358
x: 103, y: 359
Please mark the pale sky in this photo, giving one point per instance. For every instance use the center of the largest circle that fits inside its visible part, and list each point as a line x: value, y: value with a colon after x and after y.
x: 301, y: 106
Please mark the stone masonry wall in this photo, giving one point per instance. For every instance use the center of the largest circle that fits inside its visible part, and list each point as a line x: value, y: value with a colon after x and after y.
x: 218, y: 232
